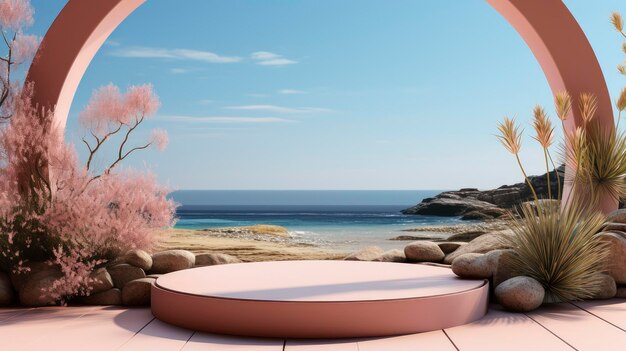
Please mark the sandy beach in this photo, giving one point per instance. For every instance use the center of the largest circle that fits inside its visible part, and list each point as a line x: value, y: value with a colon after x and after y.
x: 249, y: 244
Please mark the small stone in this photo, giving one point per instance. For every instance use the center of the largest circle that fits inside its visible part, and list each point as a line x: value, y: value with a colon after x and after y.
x: 450, y: 246
x: 171, y: 261
x: 473, y: 266
x: 616, y: 259
x: 607, y: 287
x: 7, y: 294
x: 617, y: 216
x: 482, y: 244
x: 137, y: 292
x: 123, y: 273
x: 423, y: 251
x: 108, y: 297
x: 138, y: 258
x: 369, y: 253
x: 392, y: 256
x: 621, y: 291
x: 155, y: 276
x: 211, y: 259
x: 520, y: 294
x: 100, y: 280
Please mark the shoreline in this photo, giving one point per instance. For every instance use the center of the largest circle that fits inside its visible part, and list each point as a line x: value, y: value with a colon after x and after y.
x: 268, y: 242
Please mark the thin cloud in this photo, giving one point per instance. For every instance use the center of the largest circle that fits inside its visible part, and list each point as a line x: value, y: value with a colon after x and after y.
x: 278, y: 109
x: 264, y: 55
x: 177, y: 54
x: 291, y: 91
x: 277, y: 62
x: 225, y: 119
x: 205, y: 101
x: 266, y: 58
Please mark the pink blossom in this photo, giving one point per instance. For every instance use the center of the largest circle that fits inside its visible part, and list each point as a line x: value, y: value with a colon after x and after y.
x: 105, y: 106
x: 24, y: 47
x: 141, y: 100
x: 160, y: 139
x: 108, y: 107
x: 14, y: 14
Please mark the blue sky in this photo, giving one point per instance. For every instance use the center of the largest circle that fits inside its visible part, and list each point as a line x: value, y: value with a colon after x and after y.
x: 321, y: 94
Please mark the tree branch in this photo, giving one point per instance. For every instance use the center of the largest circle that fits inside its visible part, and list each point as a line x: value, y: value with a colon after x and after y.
x: 120, y: 159
x: 99, y: 143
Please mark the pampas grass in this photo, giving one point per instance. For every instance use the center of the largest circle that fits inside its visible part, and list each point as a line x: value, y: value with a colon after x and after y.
x: 544, y: 135
x: 511, y: 138
x: 560, y: 249
x: 563, y: 102
x: 618, y: 22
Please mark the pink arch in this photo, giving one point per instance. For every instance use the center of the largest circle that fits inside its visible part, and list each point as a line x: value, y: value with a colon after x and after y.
x: 547, y: 26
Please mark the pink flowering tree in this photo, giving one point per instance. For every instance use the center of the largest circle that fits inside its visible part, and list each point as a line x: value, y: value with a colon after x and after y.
x: 19, y: 48
x: 57, y: 210
x: 53, y: 208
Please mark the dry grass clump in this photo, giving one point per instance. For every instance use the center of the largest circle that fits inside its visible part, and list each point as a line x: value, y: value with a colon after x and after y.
x: 560, y: 249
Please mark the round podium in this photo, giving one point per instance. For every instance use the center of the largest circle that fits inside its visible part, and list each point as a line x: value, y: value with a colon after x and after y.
x: 318, y: 299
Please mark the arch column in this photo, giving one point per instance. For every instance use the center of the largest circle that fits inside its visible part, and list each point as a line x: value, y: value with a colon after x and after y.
x: 547, y: 27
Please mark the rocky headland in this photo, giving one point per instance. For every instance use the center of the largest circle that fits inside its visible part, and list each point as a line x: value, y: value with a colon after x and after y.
x: 474, y: 204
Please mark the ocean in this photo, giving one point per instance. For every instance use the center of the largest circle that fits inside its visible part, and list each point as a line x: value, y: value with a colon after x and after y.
x: 338, y: 219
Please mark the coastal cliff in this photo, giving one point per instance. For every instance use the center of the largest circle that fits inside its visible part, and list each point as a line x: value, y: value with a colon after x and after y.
x: 471, y: 203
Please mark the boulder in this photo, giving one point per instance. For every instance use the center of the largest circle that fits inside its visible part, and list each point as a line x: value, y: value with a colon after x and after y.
x: 617, y: 216
x: 137, y: 292
x: 616, y: 260
x: 138, y: 258
x: 423, y: 251
x: 503, y: 267
x: 7, y: 294
x: 473, y: 266
x: 29, y: 269
x: 449, y: 246
x: 210, y: 259
x: 124, y: 273
x: 108, y: 297
x: 607, y: 287
x: 466, y: 237
x: 392, y: 256
x: 36, y: 290
x: 99, y: 280
x: 482, y: 244
x: 171, y: 261
x: 520, y: 294
x: 369, y: 253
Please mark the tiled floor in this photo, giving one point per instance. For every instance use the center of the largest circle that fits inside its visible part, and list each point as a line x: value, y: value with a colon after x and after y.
x: 594, y: 325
